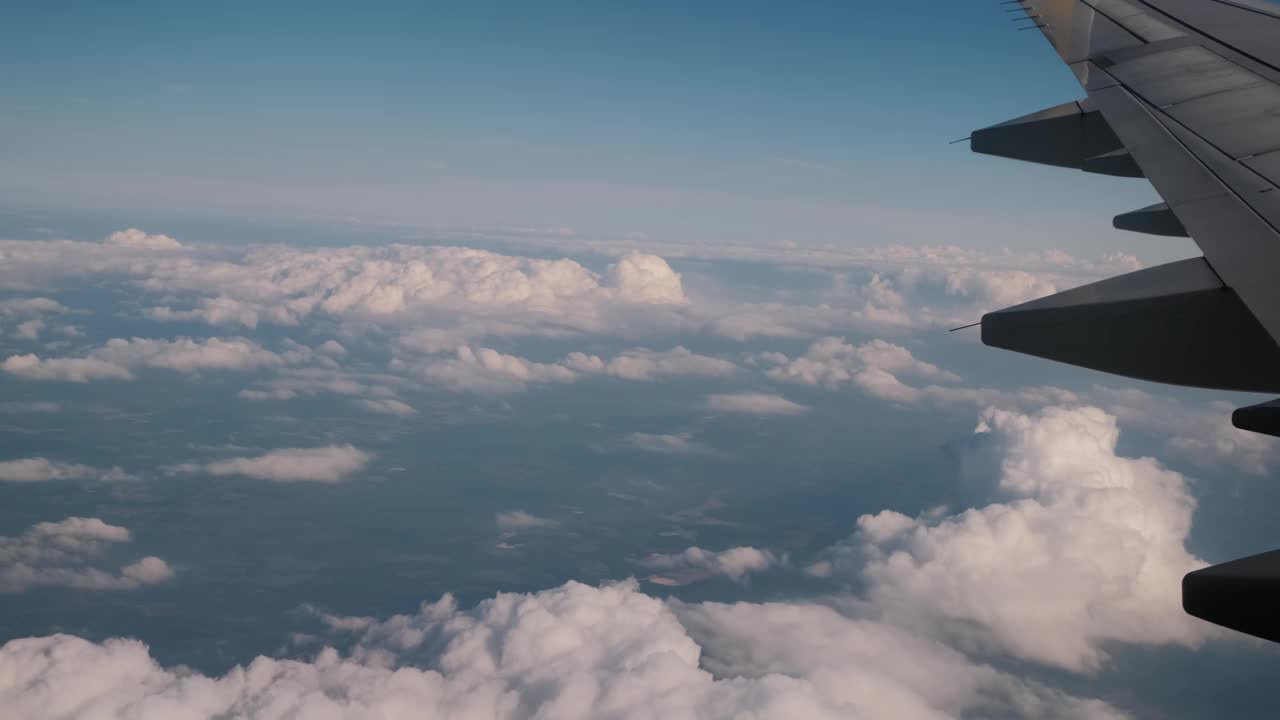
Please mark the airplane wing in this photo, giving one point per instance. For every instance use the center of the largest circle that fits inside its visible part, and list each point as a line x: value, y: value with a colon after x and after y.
x: 1185, y: 93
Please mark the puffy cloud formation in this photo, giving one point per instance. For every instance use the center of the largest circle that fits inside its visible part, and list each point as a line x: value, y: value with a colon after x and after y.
x: 39, y: 469
x: 518, y: 520
x: 332, y: 347
x: 874, y: 369
x: 667, y: 443
x: 646, y: 278
x: 754, y: 404
x: 434, y: 298
x: 1202, y: 435
x: 874, y: 304
x: 643, y: 364
x: 1080, y: 553
x: 487, y: 370
x: 1089, y: 549
x: 135, y: 238
x: 871, y: 669
x: 443, y: 297
x: 79, y: 370
x: 323, y: 465
x: 31, y: 306
x: 339, y: 623
x: 570, y: 652
x: 996, y: 289
x: 60, y: 553
x: 694, y: 564
x: 888, y: 259
x: 900, y: 289
x: 117, y: 359
x: 187, y: 355
x: 281, y: 285
x: 30, y: 329
x: 372, y: 392
x: 834, y: 363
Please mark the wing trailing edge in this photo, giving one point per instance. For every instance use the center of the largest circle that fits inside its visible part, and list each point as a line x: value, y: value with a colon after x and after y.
x: 1174, y: 323
x: 1071, y: 135
x: 1242, y: 595
x: 1158, y: 219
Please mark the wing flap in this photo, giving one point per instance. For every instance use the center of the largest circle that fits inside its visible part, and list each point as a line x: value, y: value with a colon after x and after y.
x: 1174, y: 323
x: 1240, y: 122
x: 1178, y: 75
x: 1242, y: 595
x: 1156, y: 219
x: 1065, y: 135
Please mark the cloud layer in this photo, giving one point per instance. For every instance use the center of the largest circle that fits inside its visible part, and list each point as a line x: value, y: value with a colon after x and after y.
x: 570, y: 652
x: 118, y: 358
x: 488, y: 370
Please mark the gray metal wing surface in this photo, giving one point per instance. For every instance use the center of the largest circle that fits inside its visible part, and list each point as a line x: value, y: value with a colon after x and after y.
x: 1185, y: 93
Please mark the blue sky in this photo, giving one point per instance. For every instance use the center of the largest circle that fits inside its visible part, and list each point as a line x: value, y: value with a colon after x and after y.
x: 713, y: 122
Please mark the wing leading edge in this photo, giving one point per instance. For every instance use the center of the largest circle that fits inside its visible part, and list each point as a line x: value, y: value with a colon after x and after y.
x: 1185, y: 93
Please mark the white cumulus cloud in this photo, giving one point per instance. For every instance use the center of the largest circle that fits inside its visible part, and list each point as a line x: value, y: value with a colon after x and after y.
x: 322, y: 465
x: 40, y: 469
x: 694, y: 564
x: 646, y: 278
x: 1089, y: 548
x: 135, y: 238
x: 644, y: 364
x: 118, y: 358
x: 79, y: 370
x: 488, y: 370
x: 833, y: 362
x: 63, y: 554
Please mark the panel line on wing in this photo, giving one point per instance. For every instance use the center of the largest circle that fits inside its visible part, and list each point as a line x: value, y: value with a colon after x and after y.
x: 1214, y: 38
x: 1237, y: 237
x: 1138, y: 22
